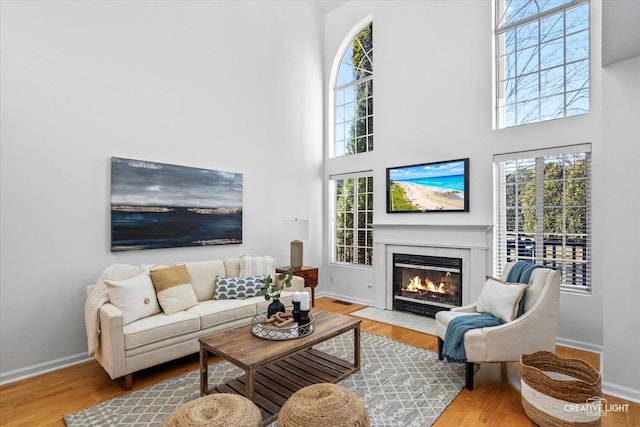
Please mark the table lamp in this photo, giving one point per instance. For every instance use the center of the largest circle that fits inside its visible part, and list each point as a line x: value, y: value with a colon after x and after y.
x: 296, y: 230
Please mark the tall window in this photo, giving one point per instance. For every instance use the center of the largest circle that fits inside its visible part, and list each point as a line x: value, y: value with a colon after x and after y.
x: 354, y: 97
x: 542, y: 60
x: 353, y: 235
x: 543, y: 211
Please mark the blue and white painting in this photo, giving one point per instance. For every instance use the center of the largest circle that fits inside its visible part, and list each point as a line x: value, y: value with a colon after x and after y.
x: 157, y: 205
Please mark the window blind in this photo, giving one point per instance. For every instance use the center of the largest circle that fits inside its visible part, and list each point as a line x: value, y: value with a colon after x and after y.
x: 543, y: 211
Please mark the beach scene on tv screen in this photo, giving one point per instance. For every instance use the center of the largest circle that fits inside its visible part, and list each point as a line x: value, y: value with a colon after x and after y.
x: 427, y: 187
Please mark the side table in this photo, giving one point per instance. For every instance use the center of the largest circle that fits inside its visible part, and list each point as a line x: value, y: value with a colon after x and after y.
x: 310, y: 276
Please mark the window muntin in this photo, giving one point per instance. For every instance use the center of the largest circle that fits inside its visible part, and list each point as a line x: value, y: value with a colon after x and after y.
x: 543, y: 213
x: 354, y: 97
x: 352, y: 231
x: 542, y: 62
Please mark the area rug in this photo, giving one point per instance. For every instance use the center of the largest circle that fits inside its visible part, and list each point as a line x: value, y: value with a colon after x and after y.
x: 401, y: 385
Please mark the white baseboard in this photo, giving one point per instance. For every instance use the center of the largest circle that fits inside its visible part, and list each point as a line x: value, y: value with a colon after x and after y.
x: 346, y: 298
x: 42, y: 368
x: 580, y: 345
x: 622, y: 392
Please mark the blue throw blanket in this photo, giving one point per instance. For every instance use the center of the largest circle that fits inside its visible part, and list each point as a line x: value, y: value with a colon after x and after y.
x: 521, y: 272
x: 453, y: 348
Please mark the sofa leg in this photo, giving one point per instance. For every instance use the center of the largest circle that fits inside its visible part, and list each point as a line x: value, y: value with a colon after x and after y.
x: 468, y: 374
x: 128, y: 381
x: 440, y: 345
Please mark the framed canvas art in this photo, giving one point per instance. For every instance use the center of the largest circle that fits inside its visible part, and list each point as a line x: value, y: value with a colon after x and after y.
x: 158, y: 205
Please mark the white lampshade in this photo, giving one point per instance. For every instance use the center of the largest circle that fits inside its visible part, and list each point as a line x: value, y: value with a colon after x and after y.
x: 296, y: 229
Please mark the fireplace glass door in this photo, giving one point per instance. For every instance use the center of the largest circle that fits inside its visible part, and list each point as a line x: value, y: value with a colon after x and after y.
x: 426, y: 284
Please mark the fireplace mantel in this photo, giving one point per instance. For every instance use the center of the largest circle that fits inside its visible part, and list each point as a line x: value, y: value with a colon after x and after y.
x: 469, y: 242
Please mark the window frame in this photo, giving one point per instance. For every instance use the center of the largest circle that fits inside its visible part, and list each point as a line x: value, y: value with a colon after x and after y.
x: 340, y: 92
x: 362, y: 236
x: 522, y: 252
x: 546, y: 104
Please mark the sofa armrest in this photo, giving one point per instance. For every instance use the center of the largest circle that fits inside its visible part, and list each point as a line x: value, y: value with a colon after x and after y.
x: 471, y: 308
x: 111, y: 352
x: 297, y: 284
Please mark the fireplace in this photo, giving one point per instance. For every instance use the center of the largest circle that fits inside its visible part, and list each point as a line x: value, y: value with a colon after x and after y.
x: 426, y: 284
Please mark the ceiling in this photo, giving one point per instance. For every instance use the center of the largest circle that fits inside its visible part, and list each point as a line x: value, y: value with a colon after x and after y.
x: 328, y: 5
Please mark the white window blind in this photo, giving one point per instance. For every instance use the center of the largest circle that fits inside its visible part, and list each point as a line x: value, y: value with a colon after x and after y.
x: 543, y: 211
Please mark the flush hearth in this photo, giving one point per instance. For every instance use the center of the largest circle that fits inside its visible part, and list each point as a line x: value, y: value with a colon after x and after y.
x: 426, y: 284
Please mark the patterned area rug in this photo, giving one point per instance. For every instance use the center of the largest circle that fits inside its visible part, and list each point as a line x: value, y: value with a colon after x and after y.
x: 401, y: 385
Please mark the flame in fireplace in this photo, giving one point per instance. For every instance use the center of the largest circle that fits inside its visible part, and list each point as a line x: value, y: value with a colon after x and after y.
x: 416, y: 284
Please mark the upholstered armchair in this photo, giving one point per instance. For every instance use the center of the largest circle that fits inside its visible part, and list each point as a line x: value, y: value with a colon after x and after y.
x: 536, y: 329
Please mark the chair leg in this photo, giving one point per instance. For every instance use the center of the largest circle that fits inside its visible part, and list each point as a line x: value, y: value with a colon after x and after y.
x: 128, y: 381
x: 468, y: 374
x: 440, y: 345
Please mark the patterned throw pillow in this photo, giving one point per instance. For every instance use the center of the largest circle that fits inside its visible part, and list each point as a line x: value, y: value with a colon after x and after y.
x: 173, y: 287
x: 238, y: 287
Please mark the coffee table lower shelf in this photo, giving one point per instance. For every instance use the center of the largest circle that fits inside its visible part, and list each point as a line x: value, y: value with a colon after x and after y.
x: 275, y: 383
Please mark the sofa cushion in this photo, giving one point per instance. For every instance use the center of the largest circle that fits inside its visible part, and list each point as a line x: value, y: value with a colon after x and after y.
x: 251, y: 265
x: 159, y: 327
x: 238, y: 287
x: 174, y: 289
x: 232, y: 267
x: 216, y: 312
x: 135, y: 297
x: 500, y: 299
x: 203, y: 277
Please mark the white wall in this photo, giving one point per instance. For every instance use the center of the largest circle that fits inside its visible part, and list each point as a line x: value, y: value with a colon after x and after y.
x: 620, y: 217
x: 222, y: 85
x: 432, y: 85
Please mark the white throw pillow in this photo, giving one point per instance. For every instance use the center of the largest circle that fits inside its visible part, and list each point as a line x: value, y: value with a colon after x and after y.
x: 254, y: 265
x: 135, y: 297
x: 174, y: 289
x: 500, y: 299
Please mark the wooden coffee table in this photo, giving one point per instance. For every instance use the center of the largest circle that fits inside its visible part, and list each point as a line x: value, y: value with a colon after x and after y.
x: 277, y: 369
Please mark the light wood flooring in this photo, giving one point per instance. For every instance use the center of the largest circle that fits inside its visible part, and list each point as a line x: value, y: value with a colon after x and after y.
x: 495, y: 400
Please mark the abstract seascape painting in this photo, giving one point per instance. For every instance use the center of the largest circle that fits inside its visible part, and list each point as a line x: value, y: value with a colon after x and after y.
x: 157, y: 205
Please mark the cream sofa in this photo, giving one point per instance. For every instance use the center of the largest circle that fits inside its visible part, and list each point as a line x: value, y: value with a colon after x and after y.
x: 124, y: 349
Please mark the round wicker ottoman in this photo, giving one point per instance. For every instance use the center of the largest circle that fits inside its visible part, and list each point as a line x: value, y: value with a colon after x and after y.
x: 219, y: 409
x: 323, y: 405
x: 560, y: 392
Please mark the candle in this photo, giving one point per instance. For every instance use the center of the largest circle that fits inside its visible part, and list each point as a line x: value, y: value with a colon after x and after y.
x: 304, y: 301
x: 296, y: 296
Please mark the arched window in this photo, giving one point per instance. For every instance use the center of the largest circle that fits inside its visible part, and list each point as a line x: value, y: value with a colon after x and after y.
x: 351, y: 191
x: 354, y: 97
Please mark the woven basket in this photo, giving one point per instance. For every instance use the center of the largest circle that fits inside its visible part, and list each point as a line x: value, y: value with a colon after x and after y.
x: 560, y: 392
x: 323, y: 405
x: 219, y: 409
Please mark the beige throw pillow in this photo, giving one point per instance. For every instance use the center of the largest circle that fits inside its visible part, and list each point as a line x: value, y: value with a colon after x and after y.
x: 173, y: 287
x: 135, y: 297
x: 500, y: 298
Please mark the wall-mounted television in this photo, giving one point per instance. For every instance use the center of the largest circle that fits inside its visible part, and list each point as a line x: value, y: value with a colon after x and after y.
x: 429, y: 187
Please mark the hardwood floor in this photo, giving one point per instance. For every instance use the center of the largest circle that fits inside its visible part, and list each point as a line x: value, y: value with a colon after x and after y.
x: 495, y: 400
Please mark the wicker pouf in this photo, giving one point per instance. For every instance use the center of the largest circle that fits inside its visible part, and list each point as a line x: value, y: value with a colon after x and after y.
x: 560, y: 392
x: 323, y: 405
x: 220, y: 409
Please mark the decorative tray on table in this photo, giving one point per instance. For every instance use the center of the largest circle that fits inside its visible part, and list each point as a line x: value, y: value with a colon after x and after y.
x: 269, y: 331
